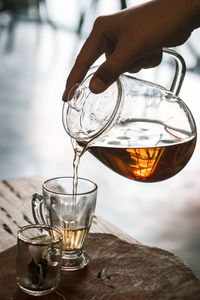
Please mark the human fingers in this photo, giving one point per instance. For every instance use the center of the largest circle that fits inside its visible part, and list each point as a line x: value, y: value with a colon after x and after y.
x: 109, y: 71
x: 117, y: 63
x: 89, y: 53
x: 150, y: 61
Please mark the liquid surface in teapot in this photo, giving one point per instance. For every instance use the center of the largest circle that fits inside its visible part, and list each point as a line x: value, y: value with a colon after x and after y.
x: 171, y: 151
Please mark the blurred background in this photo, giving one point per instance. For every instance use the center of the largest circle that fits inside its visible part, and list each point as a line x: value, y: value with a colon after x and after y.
x: 39, y: 40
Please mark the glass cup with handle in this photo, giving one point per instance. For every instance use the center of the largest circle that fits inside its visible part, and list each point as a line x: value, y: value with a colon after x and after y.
x: 71, y: 213
x: 38, y: 259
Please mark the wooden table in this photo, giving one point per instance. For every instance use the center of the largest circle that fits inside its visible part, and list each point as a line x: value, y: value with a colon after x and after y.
x: 16, y: 211
x: 120, y: 268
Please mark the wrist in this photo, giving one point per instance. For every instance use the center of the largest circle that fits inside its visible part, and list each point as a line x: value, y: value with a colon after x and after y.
x: 188, y: 11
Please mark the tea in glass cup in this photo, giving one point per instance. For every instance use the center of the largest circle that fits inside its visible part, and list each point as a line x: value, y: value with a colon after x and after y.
x: 71, y: 212
x: 38, y: 259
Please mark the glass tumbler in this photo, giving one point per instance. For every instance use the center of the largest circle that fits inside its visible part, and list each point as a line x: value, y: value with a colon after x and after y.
x: 38, y: 259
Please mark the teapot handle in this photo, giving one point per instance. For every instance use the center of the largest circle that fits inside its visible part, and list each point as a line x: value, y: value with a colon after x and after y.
x: 180, y: 69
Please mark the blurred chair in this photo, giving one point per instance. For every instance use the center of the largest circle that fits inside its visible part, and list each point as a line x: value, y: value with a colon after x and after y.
x: 13, y: 11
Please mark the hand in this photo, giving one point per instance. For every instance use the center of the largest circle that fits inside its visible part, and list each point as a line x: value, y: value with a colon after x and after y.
x: 133, y: 39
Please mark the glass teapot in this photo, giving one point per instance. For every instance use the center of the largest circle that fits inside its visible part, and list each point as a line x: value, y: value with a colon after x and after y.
x: 137, y: 128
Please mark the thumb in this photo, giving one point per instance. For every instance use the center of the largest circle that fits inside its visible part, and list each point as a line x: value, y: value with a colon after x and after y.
x: 108, y: 72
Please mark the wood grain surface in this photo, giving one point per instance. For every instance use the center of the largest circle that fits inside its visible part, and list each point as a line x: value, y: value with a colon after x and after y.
x: 16, y: 211
x: 117, y: 270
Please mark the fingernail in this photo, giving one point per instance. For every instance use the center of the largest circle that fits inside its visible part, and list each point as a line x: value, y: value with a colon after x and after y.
x: 97, y: 85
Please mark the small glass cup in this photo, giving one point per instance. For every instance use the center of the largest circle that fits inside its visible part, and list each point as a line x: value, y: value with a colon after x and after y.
x: 71, y: 213
x: 38, y: 259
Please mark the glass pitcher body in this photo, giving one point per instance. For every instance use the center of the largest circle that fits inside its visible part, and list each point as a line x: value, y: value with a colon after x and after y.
x: 137, y: 128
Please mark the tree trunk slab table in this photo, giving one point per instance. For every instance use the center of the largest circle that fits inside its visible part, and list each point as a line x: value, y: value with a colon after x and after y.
x: 119, y: 268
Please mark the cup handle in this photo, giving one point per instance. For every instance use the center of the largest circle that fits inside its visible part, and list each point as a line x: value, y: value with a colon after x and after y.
x: 37, y: 201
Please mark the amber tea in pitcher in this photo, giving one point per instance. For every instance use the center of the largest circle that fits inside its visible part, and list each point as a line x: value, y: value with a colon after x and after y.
x: 146, y: 164
x: 136, y: 128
